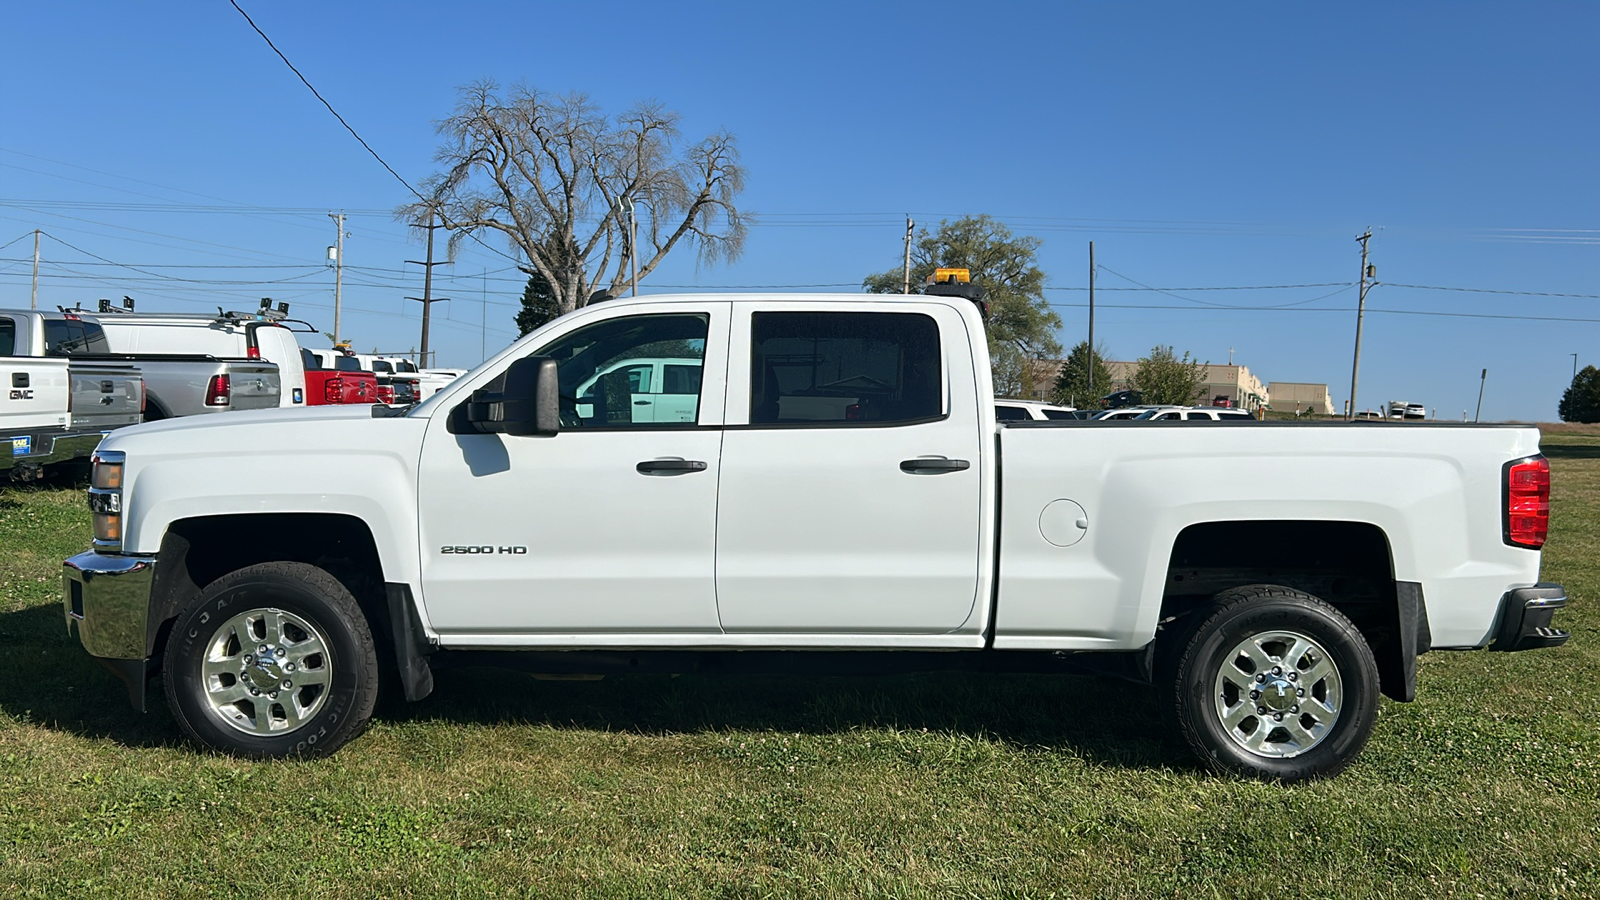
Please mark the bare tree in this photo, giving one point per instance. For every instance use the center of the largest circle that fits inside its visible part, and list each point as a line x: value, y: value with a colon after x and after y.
x: 552, y: 174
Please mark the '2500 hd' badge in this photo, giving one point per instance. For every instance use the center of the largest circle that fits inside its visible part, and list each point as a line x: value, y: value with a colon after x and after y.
x: 484, y: 550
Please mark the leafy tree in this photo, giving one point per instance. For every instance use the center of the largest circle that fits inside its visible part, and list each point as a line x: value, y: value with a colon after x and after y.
x: 554, y: 175
x: 1021, y: 325
x: 1164, y: 378
x: 1073, y: 384
x: 1581, y: 401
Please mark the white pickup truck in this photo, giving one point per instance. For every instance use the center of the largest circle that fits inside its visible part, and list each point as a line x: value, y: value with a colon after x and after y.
x: 841, y: 499
x: 56, y: 404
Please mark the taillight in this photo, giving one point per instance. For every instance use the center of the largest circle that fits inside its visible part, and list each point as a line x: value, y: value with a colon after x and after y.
x: 333, y: 390
x: 144, y: 398
x: 1527, y: 502
x: 252, y: 353
x: 219, y: 391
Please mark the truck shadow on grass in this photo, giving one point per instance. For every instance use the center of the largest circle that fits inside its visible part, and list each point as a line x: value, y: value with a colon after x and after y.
x: 48, y: 680
x: 1571, y: 451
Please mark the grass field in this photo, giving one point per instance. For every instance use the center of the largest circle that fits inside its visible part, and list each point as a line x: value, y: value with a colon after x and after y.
x: 937, y: 786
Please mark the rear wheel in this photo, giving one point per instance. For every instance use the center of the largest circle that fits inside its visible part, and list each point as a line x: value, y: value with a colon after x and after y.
x: 1275, y: 684
x: 272, y: 660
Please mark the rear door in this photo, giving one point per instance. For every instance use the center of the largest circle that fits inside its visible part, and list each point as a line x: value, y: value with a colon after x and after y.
x: 35, y: 392
x: 851, y: 495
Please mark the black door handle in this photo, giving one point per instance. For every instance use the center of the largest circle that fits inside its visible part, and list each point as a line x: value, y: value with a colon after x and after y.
x: 937, y: 465
x: 670, y: 466
x: 641, y: 403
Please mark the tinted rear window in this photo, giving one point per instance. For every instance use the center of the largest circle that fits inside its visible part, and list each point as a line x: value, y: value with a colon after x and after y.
x: 8, y: 337
x: 844, y: 368
x: 69, y: 337
x: 1060, y: 414
x: 1010, y: 413
x: 346, y: 364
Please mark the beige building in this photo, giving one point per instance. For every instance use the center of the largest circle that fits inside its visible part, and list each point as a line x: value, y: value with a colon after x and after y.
x: 1295, y: 396
x: 1236, y: 385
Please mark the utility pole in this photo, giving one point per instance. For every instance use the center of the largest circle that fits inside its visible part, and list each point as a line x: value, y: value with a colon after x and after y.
x: 336, y: 253
x: 1091, y: 320
x: 906, y: 289
x: 483, y: 321
x: 626, y: 203
x: 36, y: 283
x: 1482, y: 380
x: 1367, y: 271
x: 427, y: 299
x: 1573, y: 355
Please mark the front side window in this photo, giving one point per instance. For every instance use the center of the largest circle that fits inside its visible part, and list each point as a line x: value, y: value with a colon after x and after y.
x: 631, y: 372
x: 844, y: 368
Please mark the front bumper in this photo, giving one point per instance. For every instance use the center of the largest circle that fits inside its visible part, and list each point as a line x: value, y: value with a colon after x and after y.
x: 107, y: 598
x: 1525, y: 616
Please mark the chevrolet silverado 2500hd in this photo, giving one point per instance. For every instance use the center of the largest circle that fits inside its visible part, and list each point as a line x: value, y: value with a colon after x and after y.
x: 840, y: 497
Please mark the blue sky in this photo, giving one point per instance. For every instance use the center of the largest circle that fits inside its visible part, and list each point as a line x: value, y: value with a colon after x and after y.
x: 1198, y: 146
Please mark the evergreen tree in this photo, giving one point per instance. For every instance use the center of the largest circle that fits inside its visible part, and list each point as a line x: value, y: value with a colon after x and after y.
x: 1074, y: 386
x: 1581, y: 401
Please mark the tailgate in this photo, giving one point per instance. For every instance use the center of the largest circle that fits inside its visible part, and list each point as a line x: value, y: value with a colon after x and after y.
x: 104, y: 395
x: 33, y: 393
x: 254, y: 386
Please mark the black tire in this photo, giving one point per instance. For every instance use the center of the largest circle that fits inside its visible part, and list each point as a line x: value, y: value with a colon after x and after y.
x: 314, y: 631
x: 1295, y: 742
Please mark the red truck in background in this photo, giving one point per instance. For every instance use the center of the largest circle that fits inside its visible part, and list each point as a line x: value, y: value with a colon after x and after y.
x: 335, y: 377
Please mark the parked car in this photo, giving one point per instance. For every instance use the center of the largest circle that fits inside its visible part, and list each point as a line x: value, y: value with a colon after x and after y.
x: 838, y: 487
x: 1127, y: 412
x: 58, y: 401
x: 1007, y: 410
x: 649, y: 389
x: 1195, y: 414
x: 1416, y: 411
x: 1120, y: 399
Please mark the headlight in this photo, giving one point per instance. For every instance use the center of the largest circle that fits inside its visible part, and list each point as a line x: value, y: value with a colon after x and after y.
x: 105, y: 498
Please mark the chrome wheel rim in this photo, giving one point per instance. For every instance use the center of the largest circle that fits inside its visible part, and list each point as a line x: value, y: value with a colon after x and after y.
x: 1278, y: 694
x: 267, y: 672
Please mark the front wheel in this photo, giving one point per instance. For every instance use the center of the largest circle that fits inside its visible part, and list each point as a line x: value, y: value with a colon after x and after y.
x: 272, y: 660
x: 1276, y: 684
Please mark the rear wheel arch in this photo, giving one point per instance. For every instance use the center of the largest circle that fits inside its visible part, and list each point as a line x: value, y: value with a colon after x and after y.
x: 1347, y: 564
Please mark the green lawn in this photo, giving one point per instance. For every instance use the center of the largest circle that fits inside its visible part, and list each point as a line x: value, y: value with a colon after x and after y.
x: 1013, y: 786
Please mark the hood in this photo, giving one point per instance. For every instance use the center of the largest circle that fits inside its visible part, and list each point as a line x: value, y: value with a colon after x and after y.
x: 286, y: 429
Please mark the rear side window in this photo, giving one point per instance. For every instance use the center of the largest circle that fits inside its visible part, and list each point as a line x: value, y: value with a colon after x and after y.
x: 309, y: 360
x: 1010, y: 413
x: 1059, y: 414
x: 8, y: 337
x: 845, y: 368
x: 67, y: 337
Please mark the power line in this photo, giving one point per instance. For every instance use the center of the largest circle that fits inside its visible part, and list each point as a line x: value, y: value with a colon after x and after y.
x: 314, y: 93
x: 1432, y: 287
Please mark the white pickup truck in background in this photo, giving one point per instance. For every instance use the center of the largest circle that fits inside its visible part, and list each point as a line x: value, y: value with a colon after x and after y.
x: 57, y: 405
x: 839, y: 497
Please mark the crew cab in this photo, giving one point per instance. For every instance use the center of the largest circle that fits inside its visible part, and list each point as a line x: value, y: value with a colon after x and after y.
x: 56, y: 404
x: 841, y: 499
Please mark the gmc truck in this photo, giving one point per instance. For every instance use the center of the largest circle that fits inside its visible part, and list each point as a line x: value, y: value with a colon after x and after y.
x: 56, y: 404
x: 842, y: 498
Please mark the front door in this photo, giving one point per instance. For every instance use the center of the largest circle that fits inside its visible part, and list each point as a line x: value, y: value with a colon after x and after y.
x: 851, y: 489
x: 608, y: 526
